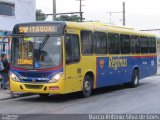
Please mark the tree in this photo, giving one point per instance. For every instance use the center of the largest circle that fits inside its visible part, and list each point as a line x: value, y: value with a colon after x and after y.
x: 74, y: 18
x: 40, y: 16
x: 63, y: 18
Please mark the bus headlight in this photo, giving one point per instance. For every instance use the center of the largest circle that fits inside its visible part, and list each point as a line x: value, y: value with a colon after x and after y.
x: 14, y: 77
x: 56, y: 77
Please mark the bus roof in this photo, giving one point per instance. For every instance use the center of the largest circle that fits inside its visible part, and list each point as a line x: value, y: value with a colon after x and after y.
x: 93, y: 26
x: 96, y: 26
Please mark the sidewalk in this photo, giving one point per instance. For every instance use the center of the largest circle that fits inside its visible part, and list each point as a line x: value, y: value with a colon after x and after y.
x: 5, y: 94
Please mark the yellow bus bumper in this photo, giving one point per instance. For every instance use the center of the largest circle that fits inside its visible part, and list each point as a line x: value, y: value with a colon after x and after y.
x: 51, y: 88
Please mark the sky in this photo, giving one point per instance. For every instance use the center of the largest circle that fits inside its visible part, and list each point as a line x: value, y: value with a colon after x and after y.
x: 140, y: 14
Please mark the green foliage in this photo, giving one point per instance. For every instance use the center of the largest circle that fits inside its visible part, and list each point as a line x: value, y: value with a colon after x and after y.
x: 74, y: 18
x: 40, y: 16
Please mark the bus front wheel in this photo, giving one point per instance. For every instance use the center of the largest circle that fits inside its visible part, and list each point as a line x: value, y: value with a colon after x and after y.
x: 87, y: 86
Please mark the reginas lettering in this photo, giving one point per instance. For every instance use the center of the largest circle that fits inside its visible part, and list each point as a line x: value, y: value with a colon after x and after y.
x: 116, y: 63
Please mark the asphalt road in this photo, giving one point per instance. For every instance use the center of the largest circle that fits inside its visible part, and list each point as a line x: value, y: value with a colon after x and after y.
x: 143, y: 99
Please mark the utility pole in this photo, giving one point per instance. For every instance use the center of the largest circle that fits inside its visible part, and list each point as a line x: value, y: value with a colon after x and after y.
x: 80, y: 10
x: 54, y: 10
x: 124, y: 14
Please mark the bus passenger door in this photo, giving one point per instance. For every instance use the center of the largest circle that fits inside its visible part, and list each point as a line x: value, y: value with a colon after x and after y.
x: 72, y: 63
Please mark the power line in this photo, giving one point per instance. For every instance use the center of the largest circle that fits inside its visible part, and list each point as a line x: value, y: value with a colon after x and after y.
x: 123, y: 14
x: 110, y: 13
x: 54, y: 11
x: 65, y: 13
x: 152, y: 30
x: 70, y: 13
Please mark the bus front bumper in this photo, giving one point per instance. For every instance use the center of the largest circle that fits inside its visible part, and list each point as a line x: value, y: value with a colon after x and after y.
x: 46, y: 88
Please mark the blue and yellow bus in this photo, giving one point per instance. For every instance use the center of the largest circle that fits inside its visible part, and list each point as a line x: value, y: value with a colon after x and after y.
x: 65, y: 57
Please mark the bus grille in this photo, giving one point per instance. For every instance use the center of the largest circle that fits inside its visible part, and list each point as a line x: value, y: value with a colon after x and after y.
x: 30, y: 74
x: 30, y: 81
x: 34, y: 86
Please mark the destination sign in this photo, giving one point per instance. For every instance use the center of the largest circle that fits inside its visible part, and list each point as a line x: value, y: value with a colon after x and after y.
x: 38, y: 29
x: 24, y: 61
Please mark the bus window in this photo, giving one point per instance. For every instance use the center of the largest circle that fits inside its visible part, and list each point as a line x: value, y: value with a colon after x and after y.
x: 113, y: 43
x: 72, y: 48
x: 152, y: 45
x: 87, y: 42
x: 100, y: 43
x: 125, y: 44
x: 135, y: 44
x: 144, y: 44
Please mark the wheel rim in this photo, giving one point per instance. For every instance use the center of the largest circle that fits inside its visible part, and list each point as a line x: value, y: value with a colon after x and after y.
x: 87, y: 86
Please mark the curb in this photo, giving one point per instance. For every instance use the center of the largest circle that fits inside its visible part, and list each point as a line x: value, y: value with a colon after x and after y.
x: 20, y: 95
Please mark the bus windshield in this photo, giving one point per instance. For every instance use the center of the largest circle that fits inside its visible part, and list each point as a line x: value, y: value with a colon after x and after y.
x: 36, y: 52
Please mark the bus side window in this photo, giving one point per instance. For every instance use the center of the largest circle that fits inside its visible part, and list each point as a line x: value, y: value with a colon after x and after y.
x: 125, y: 44
x: 135, y: 44
x: 144, y: 44
x: 72, y: 48
x: 100, y: 43
x: 87, y: 42
x: 152, y: 45
x: 113, y: 43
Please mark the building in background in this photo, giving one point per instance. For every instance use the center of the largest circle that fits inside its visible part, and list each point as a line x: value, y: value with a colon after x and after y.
x: 15, y: 11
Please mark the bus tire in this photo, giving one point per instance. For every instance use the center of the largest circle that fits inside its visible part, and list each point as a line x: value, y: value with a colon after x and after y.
x: 44, y: 95
x: 135, y: 79
x: 87, y: 86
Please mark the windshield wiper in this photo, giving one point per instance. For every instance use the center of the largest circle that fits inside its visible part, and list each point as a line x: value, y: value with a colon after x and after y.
x: 46, y: 38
